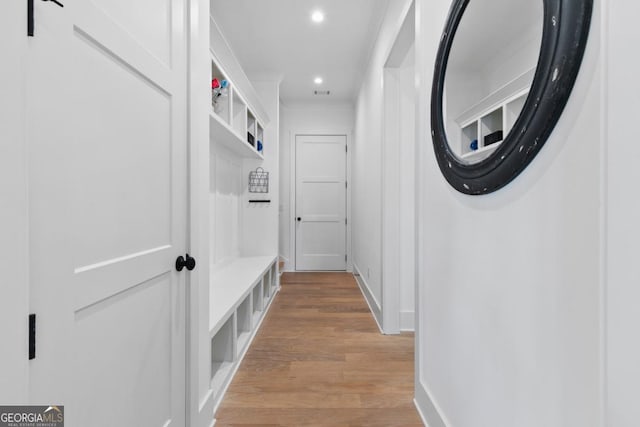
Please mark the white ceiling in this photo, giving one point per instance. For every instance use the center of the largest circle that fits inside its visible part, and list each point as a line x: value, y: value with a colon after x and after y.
x: 491, y: 26
x: 277, y: 37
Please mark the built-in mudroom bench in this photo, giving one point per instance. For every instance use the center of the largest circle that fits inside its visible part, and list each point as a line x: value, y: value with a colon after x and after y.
x: 241, y: 292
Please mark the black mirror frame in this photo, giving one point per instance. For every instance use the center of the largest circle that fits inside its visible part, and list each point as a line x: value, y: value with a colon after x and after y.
x: 564, y: 37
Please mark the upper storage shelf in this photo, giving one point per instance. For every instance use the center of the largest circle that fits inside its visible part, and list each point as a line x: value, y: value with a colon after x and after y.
x: 232, y: 121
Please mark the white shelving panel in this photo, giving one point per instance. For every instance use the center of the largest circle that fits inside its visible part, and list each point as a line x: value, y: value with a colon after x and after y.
x: 222, y: 133
x: 239, y: 121
x: 257, y: 304
x: 243, y: 323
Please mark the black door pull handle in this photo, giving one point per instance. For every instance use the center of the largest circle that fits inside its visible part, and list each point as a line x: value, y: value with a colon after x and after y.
x: 189, y: 262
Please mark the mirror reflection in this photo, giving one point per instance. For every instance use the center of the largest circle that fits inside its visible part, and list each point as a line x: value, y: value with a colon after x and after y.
x: 490, y: 70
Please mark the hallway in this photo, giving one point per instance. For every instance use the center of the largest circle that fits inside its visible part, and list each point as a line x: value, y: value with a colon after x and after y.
x: 319, y: 359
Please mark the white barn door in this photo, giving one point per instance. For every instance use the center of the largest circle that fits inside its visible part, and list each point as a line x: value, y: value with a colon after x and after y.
x: 106, y: 124
x: 321, y: 202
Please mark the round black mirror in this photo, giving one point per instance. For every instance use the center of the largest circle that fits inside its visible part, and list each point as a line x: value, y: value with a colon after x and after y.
x: 503, y: 75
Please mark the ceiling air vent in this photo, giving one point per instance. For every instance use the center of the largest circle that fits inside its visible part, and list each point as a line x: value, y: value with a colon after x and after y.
x: 321, y: 92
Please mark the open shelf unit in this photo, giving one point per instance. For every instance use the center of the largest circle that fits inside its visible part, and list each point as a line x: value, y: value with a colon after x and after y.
x: 232, y: 121
x: 238, y: 306
x: 498, y: 118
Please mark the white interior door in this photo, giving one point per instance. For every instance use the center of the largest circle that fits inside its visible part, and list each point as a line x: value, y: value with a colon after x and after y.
x: 106, y: 120
x: 321, y: 202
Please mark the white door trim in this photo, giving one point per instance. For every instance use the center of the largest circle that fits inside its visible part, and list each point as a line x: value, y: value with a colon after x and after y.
x: 14, y: 253
x: 199, y: 395
x: 391, y: 201
x: 390, y: 204
x: 292, y: 189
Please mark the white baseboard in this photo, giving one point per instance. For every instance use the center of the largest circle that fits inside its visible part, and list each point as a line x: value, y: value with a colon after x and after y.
x: 287, y: 267
x: 428, y: 409
x: 374, y: 305
x: 407, y: 321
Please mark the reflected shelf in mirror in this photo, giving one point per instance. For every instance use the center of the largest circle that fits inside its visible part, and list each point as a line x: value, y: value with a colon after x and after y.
x: 497, y: 118
x: 492, y: 59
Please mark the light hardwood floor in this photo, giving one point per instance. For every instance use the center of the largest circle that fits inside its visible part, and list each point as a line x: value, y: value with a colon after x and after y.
x: 320, y: 360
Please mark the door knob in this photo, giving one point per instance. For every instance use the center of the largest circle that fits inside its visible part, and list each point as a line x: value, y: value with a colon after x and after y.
x: 189, y: 262
x: 299, y: 219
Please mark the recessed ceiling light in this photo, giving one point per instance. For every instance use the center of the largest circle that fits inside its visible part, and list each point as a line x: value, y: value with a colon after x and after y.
x: 318, y: 80
x: 317, y: 16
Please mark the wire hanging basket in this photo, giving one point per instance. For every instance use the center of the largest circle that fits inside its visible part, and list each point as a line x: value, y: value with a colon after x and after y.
x: 258, y: 181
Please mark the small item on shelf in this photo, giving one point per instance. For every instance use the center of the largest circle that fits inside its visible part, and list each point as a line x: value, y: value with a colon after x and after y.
x: 492, y: 138
x: 474, y: 145
x: 219, y: 89
x: 259, y: 146
x: 251, y: 139
x: 258, y: 181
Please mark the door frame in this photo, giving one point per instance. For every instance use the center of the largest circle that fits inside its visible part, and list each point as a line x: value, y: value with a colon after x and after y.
x: 292, y: 187
x: 14, y: 253
x: 199, y: 395
x: 391, y: 202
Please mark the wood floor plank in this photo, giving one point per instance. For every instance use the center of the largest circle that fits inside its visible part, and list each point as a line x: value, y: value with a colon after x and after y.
x: 320, y: 360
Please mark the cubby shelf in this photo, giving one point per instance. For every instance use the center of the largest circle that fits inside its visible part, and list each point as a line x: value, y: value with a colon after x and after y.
x: 222, y: 133
x: 232, y: 121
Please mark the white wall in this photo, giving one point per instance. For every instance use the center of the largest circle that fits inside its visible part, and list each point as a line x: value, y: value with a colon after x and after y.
x: 509, y: 283
x: 622, y: 246
x: 226, y: 206
x: 260, y: 236
x: 367, y: 159
x: 303, y: 118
